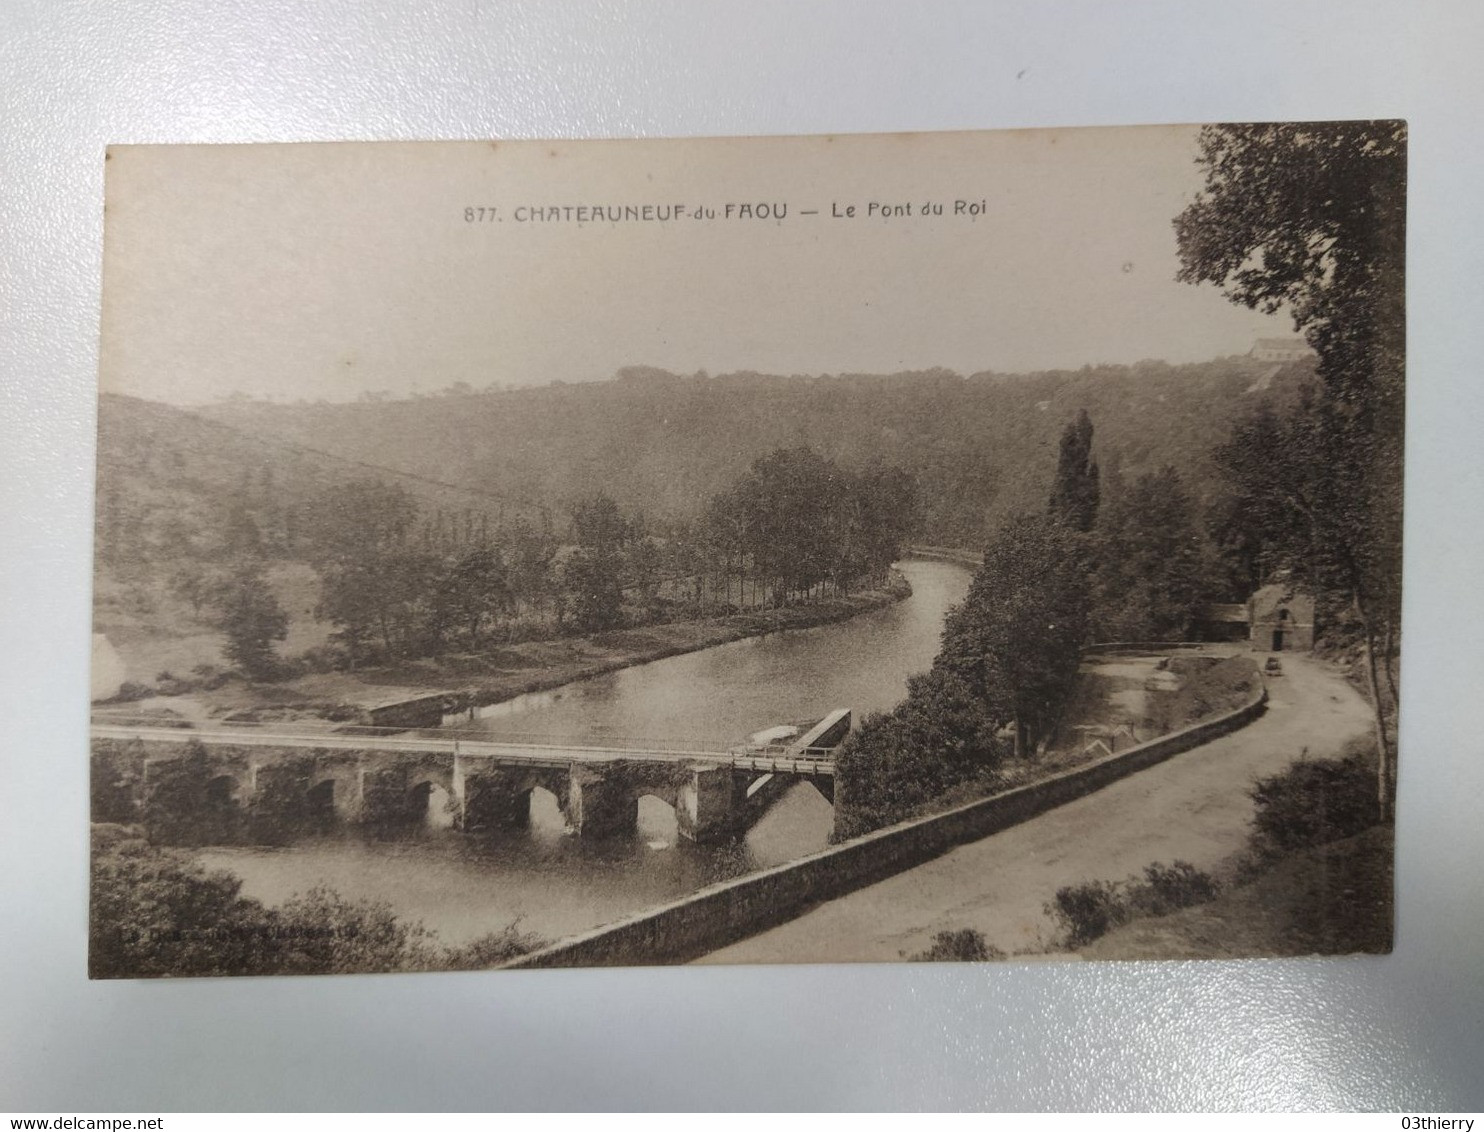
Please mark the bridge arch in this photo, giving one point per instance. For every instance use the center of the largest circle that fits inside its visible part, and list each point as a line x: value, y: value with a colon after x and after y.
x: 431, y: 802
x: 333, y: 794
x: 225, y: 790
x: 657, y: 811
x: 546, y: 808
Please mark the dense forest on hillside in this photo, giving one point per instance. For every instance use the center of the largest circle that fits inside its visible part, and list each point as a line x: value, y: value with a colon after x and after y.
x: 666, y: 444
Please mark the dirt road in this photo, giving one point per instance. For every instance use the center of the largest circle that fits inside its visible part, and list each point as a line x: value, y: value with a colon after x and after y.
x: 1195, y: 808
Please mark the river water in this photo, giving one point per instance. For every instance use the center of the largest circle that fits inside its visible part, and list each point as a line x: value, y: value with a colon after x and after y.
x: 554, y: 884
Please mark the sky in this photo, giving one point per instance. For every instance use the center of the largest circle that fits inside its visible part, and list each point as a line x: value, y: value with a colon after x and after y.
x: 326, y: 271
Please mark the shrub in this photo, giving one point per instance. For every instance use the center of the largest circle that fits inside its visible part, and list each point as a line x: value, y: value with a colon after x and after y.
x: 210, y: 676
x: 321, y: 932
x: 325, y: 658
x: 901, y: 761
x: 492, y: 950
x: 113, y: 782
x: 1094, y: 908
x: 1088, y: 910
x: 157, y: 912
x: 1168, y: 888
x: 962, y: 946
x: 1313, y: 802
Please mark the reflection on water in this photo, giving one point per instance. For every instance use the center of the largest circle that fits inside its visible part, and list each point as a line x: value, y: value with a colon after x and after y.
x: 718, y: 696
x: 556, y: 884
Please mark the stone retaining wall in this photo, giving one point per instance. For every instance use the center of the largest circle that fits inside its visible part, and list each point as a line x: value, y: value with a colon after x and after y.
x: 733, y: 910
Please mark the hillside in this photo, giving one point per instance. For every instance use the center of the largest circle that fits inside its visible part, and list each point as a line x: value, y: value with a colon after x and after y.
x: 980, y: 447
x: 175, y: 490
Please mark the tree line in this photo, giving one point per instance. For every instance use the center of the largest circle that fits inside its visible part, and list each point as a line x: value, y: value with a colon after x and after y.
x: 396, y: 584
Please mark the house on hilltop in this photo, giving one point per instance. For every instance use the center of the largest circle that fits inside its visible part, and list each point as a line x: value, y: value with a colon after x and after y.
x: 1280, y: 350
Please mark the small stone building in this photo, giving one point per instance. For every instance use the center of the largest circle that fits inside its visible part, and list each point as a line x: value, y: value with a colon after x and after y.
x: 425, y: 710
x: 1281, y: 619
x: 1220, y: 621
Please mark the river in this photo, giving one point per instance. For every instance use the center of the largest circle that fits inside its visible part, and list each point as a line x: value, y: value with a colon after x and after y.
x: 554, y: 884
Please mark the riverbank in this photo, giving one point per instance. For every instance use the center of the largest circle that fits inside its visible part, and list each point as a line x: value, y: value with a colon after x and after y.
x: 501, y: 674
x: 539, y: 666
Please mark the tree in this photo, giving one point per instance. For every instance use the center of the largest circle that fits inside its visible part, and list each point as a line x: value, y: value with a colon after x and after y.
x: 1017, y: 638
x: 473, y: 588
x: 1074, y: 493
x: 887, y: 506
x: 371, y: 580
x: 1311, y: 217
x: 240, y: 535
x: 1149, y: 575
x: 529, y: 565
x: 594, y: 573
x: 252, y: 620
x: 361, y: 521
x: 592, y: 577
x: 900, y: 761
x: 597, y: 522
x: 787, y: 501
x: 158, y: 912
x: 193, y: 583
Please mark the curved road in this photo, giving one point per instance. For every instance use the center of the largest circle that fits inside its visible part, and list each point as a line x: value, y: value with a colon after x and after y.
x: 1195, y: 808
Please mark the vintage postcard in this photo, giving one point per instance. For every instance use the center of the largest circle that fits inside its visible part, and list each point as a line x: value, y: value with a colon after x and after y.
x: 817, y: 549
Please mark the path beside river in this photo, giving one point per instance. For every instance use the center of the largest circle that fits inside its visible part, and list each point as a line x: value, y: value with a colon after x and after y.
x: 1195, y: 808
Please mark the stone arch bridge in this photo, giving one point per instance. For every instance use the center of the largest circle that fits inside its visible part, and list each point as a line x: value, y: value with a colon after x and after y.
x: 315, y: 780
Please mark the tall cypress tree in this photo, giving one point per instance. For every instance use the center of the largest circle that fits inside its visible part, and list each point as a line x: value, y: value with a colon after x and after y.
x: 1074, y: 495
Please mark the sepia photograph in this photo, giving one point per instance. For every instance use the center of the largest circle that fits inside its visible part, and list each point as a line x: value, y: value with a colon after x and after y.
x: 865, y: 548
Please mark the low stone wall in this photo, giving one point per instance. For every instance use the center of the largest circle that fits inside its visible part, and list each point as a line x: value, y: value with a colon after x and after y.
x: 973, y: 559
x: 1122, y: 648
x: 724, y: 913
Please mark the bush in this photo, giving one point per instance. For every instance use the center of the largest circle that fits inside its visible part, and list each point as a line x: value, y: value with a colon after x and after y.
x: 157, y: 912
x: 1094, y: 908
x: 1313, y: 802
x: 900, y: 762
x: 962, y: 946
x: 1087, y: 911
x: 322, y: 933
x: 210, y: 676
x: 492, y: 950
x: 324, y: 658
x: 113, y: 782
x: 1168, y: 888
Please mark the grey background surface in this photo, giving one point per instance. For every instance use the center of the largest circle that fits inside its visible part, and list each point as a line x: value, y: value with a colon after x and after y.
x: 1403, y: 1032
